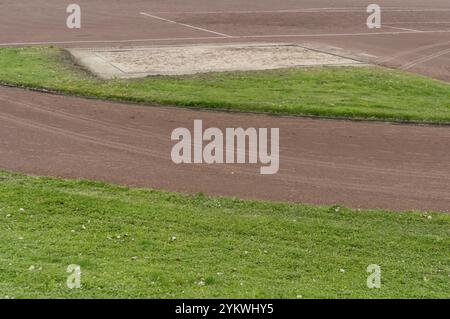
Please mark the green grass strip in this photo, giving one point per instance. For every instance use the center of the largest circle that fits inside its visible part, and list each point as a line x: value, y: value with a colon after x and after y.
x: 124, y: 241
x: 349, y: 92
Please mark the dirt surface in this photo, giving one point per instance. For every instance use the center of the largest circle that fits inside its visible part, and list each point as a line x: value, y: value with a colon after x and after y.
x: 415, y: 35
x: 181, y: 60
x: 368, y: 165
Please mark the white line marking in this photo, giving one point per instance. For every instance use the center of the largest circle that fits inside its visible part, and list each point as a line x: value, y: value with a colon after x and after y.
x: 222, y: 37
x: 424, y: 59
x: 309, y: 10
x: 369, y: 55
x: 108, y: 41
x: 338, y: 34
x: 405, y: 29
x: 408, y: 52
x: 185, y: 25
x: 420, y: 22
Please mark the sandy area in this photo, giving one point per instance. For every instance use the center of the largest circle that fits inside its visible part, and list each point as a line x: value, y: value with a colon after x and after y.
x: 178, y: 60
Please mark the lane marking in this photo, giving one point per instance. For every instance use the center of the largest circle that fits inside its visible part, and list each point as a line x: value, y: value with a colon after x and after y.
x: 420, y: 22
x: 184, y: 24
x: 107, y: 41
x: 369, y: 55
x: 424, y: 59
x: 405, y: 29
x: 223, y: 37
x: 339, y: 34
x: 309, y: 10
x: 408, y: 52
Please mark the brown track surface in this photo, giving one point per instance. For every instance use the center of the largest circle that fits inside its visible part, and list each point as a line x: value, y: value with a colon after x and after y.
x: 357, y: 164
x: 370, y: 165
x: 321, y: 22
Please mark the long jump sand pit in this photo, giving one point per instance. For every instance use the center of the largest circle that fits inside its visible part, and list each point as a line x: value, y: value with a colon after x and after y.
x: 192, y: 59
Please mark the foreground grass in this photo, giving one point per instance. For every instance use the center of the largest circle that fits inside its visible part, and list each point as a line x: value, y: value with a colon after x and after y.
x: 123, y: 239
x: 362, y: 92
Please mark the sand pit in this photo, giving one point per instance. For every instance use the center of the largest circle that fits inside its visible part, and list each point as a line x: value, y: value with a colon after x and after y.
x: 179, y: 60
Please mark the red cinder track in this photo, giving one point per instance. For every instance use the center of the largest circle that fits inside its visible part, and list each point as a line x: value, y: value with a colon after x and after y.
x: 370, y: 165
x: 415, y: 35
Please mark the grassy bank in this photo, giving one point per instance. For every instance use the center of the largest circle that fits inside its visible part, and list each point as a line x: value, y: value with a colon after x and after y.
x: 362, y: 92
x: 145, y: 243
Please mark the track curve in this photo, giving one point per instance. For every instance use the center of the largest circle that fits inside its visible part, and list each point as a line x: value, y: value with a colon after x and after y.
x: 357, y: 164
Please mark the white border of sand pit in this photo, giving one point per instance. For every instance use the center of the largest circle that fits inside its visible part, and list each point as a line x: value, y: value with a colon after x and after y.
x: 191, y: 59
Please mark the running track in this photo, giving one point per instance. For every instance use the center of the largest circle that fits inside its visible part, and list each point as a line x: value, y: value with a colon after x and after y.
x: 367, y: 165
x: 370, y: 165
x: 415, y: 35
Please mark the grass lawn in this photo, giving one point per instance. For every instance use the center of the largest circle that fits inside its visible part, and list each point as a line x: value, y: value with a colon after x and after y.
x: 124, y: 241
x: 361, y: 92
